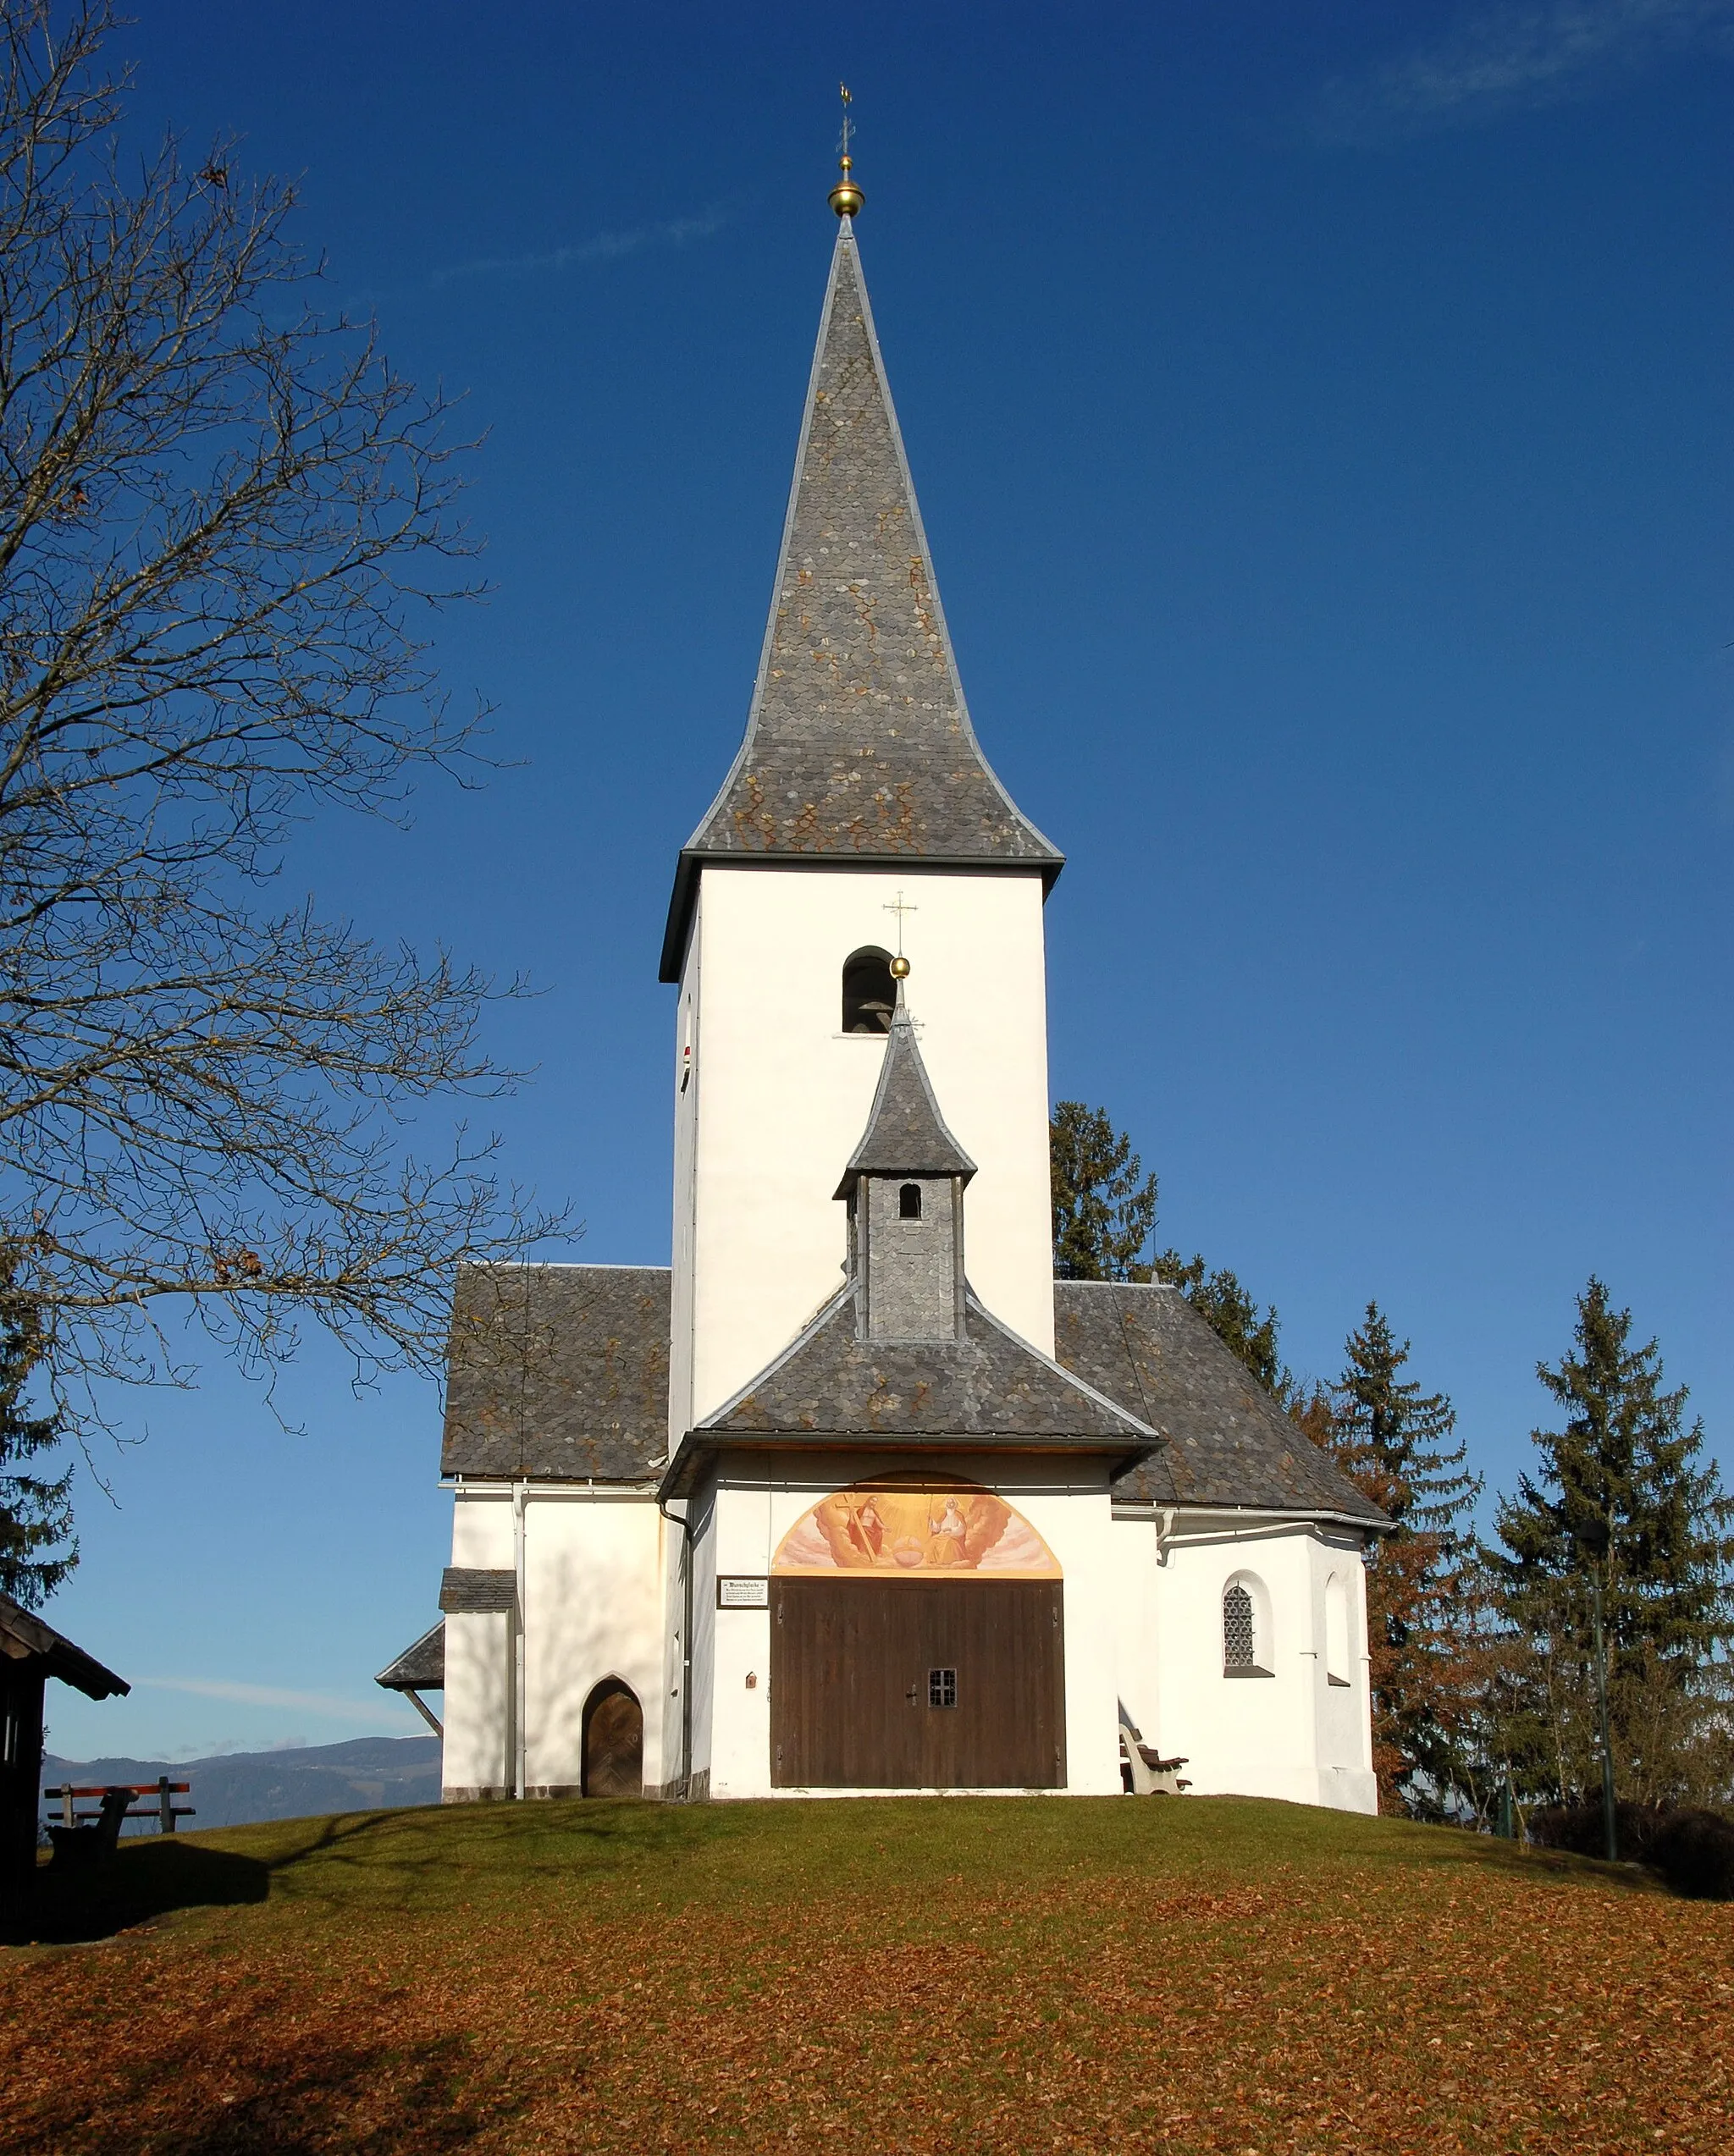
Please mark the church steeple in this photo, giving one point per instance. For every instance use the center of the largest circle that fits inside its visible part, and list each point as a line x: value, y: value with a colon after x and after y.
x: 858, y: 746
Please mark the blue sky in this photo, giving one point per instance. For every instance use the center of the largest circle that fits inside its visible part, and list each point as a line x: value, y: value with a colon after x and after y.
x: 1321, y: 420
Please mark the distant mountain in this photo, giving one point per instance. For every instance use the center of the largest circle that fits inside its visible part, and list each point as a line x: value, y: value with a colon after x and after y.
x: 365, y: 1774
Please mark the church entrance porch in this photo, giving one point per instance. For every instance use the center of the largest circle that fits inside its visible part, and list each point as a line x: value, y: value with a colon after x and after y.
x: 917, y: 1683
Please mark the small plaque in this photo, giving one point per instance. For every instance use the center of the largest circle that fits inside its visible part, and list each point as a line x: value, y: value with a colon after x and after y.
x: 743, y: 1594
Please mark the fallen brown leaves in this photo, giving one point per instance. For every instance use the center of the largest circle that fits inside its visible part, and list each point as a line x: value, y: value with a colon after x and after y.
x: 1366, y: 2008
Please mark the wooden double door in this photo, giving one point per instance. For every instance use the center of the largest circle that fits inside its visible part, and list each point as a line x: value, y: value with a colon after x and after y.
x: 916, y: 1683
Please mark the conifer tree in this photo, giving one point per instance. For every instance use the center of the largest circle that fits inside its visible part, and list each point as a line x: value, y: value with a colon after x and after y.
x: 36, y: 1551
x: 1621, y: 1498
x: 1393, y: 1439
x: 1104, y: 1216
x: 1104, y: 1204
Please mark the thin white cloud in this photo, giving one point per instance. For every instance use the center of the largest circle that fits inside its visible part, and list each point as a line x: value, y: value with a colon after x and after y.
x: 602, y: 247
x: 243, y: 1695
x: 1511, y: 57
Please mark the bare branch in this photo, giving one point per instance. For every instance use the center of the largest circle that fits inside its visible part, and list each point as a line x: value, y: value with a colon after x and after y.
x: 222, y: 521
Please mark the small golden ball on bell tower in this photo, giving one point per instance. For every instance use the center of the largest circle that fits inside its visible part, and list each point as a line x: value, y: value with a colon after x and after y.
x: 846, y: 198
x: 899, y: 965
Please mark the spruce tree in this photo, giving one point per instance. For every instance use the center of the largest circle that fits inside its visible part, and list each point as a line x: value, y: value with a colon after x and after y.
x: 1104, y: 1204
x: 1393, y: 1439
x: 37, y: 1547
x: 1104, y: 1215
x: 1621, y: 1498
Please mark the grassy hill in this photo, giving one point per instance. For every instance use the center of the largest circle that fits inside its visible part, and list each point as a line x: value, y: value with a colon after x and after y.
x: 1181, y: 1974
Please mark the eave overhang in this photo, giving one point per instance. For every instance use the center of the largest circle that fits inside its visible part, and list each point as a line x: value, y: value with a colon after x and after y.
x: 698, y: 1446
x: 24, y: 1638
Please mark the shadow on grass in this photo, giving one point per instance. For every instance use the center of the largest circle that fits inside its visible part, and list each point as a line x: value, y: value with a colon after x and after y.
x: 433, y: 1861
x: 430, y: 1858
x: 284, y: 2098
x: 148, y: 1879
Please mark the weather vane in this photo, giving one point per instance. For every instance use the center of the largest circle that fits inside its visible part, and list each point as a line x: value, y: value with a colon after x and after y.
x: 846, y: 198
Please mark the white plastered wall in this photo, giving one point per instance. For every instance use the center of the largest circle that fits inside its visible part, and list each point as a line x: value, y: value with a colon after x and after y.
x: 1291, y: 1735
x: 476, y: 1758
x: 778, y: 1096
x: 593, y: 1608
x: 758, y: 1501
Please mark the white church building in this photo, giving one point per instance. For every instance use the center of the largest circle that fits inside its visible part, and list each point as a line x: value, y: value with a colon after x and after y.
x: 855, y: 1497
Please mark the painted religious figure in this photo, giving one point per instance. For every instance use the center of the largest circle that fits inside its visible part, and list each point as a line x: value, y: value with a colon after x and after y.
x: 893, y: 1525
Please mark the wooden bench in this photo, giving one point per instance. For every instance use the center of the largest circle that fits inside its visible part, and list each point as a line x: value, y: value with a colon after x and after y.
x: 82, y: 1834
x: 1147, y: 1772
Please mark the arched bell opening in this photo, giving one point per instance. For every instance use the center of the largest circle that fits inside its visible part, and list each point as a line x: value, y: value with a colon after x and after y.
x: 870, y: 993
x: 614, y: 1741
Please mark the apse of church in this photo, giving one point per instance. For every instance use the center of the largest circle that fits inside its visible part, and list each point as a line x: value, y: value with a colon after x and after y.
x: 853, y: 1495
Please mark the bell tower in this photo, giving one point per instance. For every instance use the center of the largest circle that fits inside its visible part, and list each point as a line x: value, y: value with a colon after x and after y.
x: 860, y: 816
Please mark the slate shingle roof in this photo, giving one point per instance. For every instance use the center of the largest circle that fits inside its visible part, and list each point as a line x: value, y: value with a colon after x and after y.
x: 419, y: 1668
x: 905, y: 1134
x: 989, y: 1390
x: 859, y: 743
x: 562, y: 1372
x: 559, y: 1370
x: 27, y: 1638
x: 470, y: 1591
x: 1228, y: 1441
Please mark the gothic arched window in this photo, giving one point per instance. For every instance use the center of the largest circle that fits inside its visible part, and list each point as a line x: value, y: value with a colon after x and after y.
x: 870, y: 993
x: 909, y: 1202
x: 1244, y: 1624
x: 1240, y: 1645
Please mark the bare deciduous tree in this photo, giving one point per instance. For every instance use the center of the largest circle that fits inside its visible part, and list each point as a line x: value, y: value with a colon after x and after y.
x: 220, y: 515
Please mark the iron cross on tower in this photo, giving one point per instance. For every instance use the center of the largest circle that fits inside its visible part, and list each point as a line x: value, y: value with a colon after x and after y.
x: 900, y: 965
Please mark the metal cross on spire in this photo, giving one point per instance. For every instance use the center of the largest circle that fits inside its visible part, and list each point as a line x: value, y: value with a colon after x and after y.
x: 899, y: 908
x: 846, y: 198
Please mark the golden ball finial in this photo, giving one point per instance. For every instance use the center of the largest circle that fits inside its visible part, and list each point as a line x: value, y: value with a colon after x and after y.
x: 846, y: 198
x: 899, y: 965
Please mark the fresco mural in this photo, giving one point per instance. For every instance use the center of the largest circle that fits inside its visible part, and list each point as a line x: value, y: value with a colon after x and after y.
x: 899, y: 1525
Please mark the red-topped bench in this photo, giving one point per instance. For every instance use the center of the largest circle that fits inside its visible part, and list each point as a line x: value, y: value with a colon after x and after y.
x: 103, y: 1824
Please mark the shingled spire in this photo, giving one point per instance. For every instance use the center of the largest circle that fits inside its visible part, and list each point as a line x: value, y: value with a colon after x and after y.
x: 858, y: 745
x: 904, y: 1183
x: 905, y: 1134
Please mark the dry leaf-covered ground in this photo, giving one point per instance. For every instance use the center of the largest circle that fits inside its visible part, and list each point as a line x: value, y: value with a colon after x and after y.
x: 1182, y: 1974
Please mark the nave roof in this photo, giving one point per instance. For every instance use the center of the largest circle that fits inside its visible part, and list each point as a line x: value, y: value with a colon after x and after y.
x: 557, y: 1371
x: 1228, y: 1442
x: 560, y: 1372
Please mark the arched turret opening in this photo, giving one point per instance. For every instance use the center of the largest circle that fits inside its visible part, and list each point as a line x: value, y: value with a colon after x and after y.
x: 870, y: 993
x: 614, y: 1741
x: 909, y: 1202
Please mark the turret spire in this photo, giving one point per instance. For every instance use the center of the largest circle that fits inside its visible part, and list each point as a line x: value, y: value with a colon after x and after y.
x: 906, y: 1134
